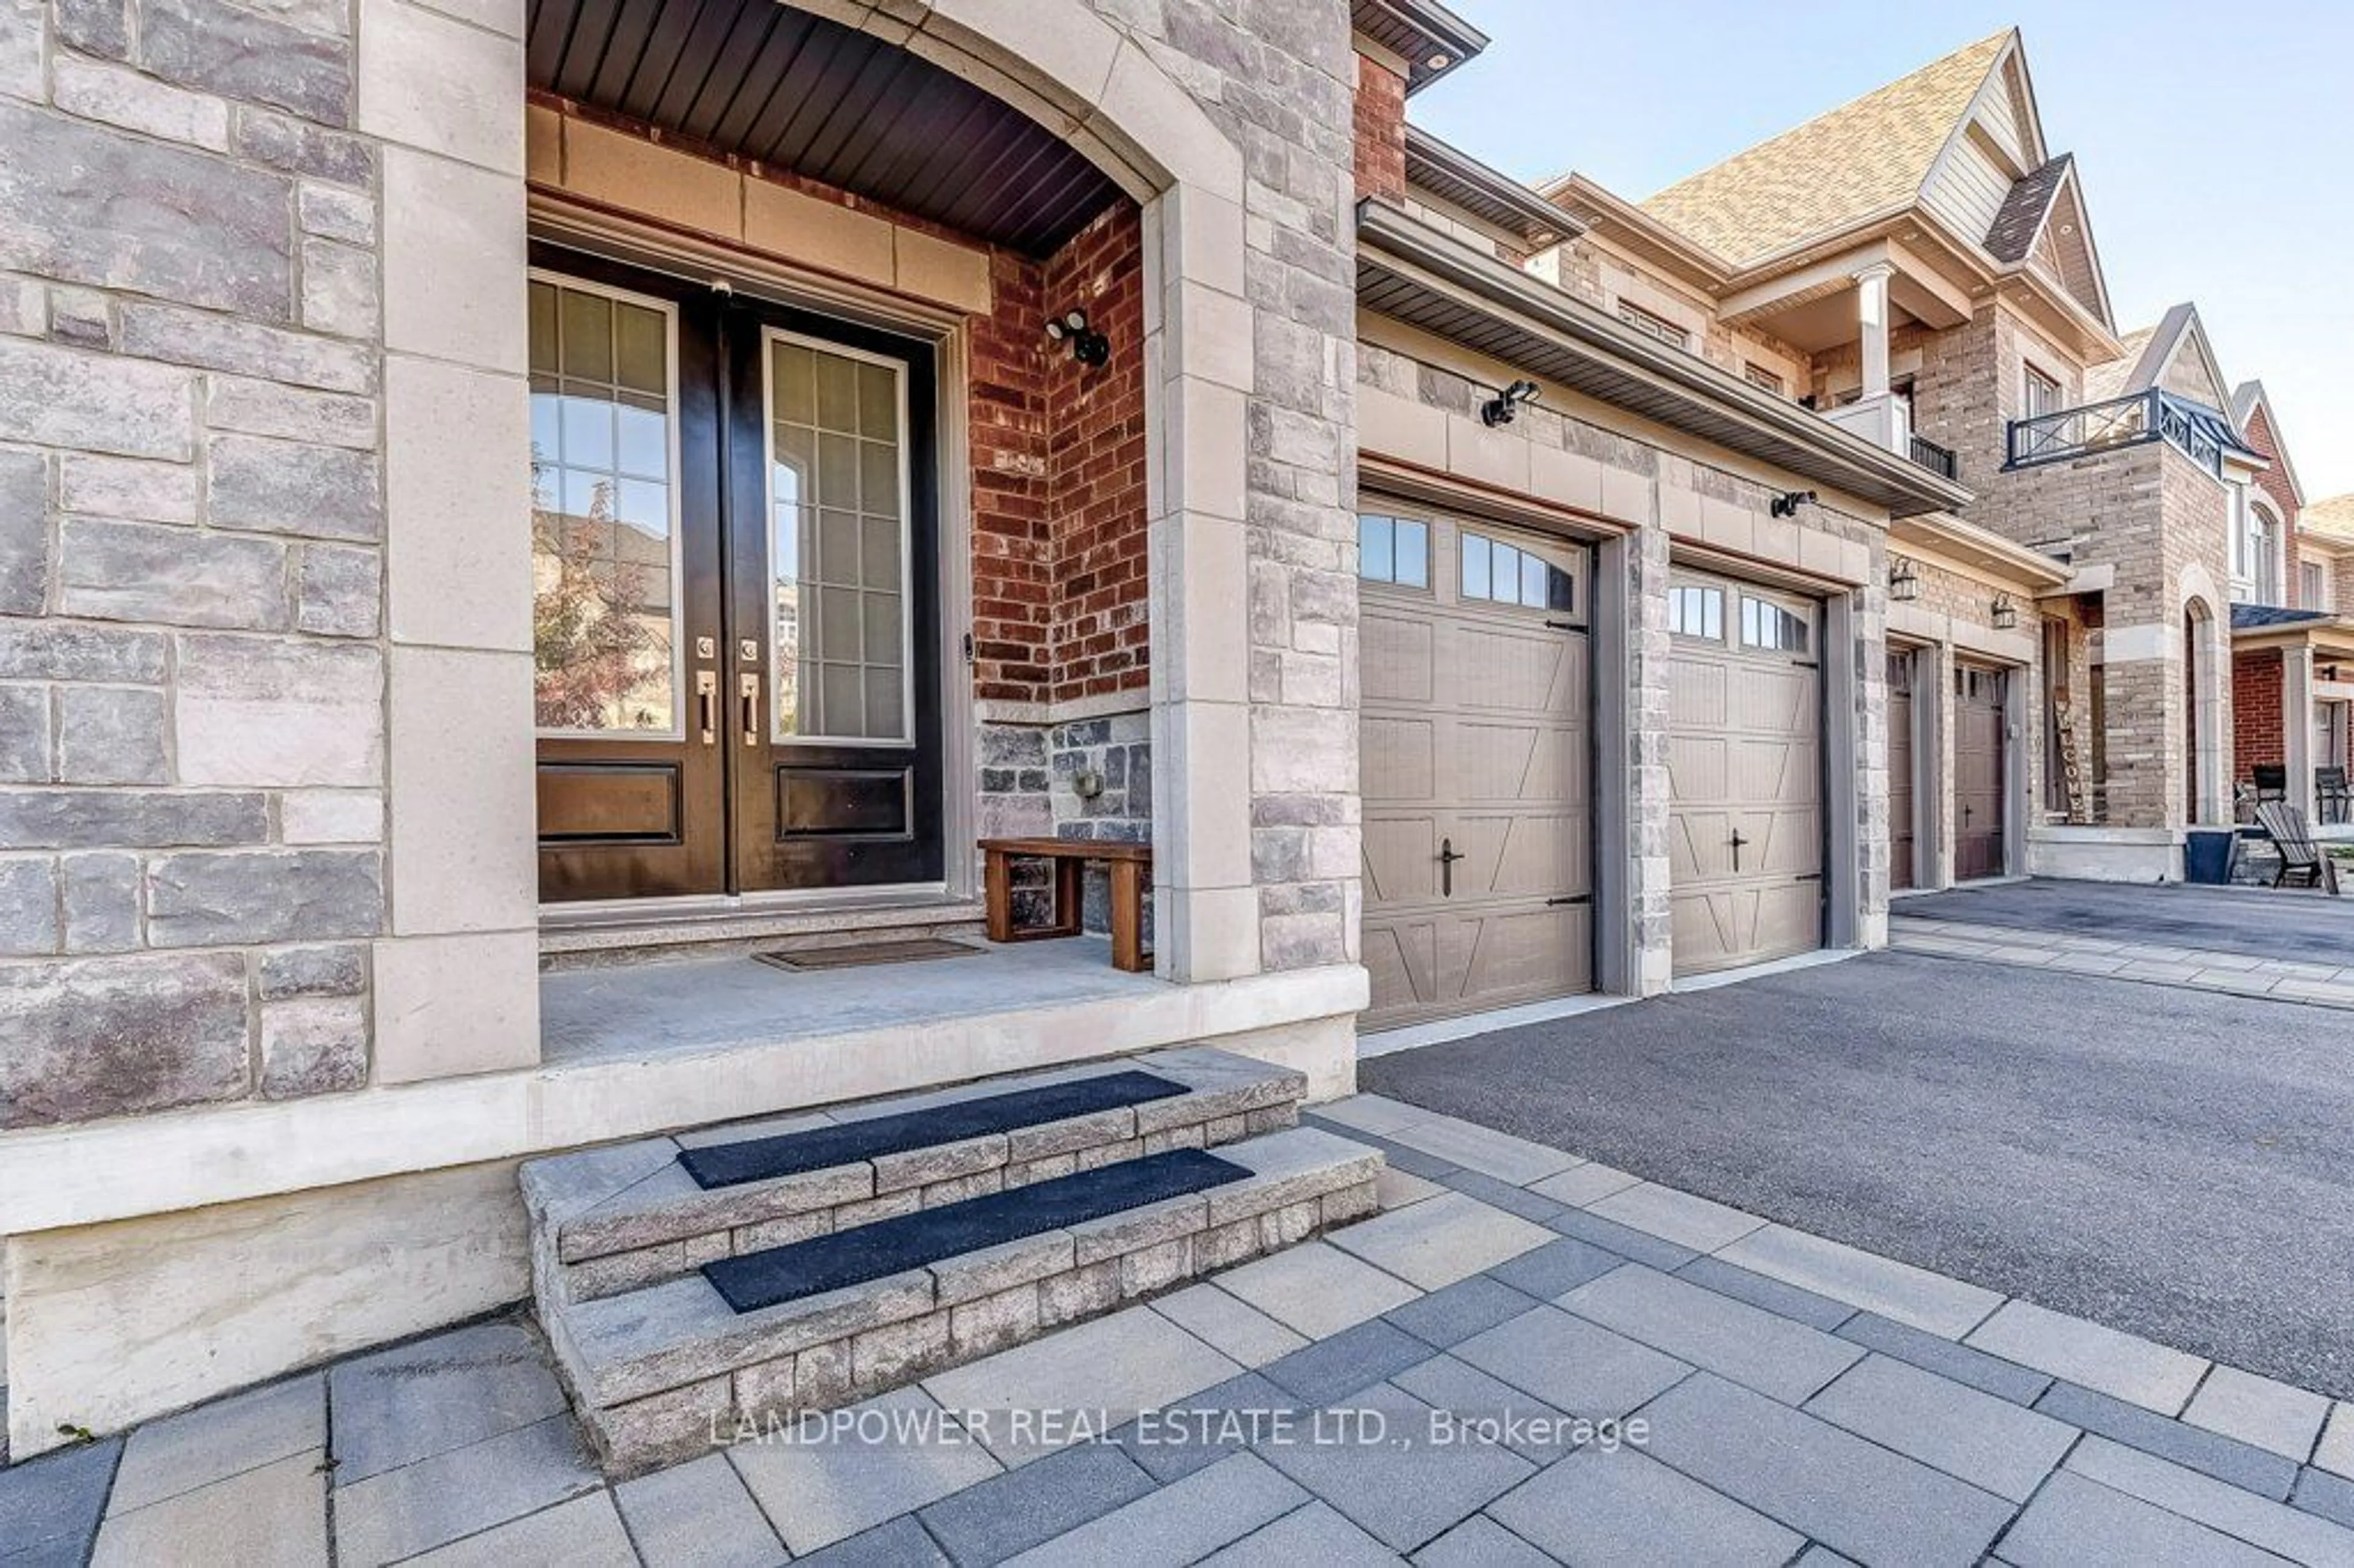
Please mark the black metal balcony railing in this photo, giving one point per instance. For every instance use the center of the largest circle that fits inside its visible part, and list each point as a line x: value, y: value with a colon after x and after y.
x: 1937, y: 459
x: 2151, y: 416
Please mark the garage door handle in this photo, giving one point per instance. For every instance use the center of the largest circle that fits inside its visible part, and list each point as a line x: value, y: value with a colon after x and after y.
x: 1739, y: 843
x: 1446, y: 859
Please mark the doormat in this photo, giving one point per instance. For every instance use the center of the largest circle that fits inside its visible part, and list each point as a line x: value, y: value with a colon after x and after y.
x: 921, y: 949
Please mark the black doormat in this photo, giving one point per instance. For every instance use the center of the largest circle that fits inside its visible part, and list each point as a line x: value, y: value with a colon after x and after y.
x: 758, y: 1280
x: 786, y: 1154
x: 858, y: 955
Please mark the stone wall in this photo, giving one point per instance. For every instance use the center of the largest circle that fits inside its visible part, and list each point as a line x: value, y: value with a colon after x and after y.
x: 193, y: 662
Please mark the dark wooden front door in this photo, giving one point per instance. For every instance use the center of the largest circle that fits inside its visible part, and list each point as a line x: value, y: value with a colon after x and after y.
x: 1979, y: 773
x: 1903, y: 845
x: 736, y: 592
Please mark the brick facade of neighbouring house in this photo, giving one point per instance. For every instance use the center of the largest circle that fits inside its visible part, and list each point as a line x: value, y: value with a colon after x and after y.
x: 2275, y: 482
x: 2256, y: 678
x: 1380, y: 131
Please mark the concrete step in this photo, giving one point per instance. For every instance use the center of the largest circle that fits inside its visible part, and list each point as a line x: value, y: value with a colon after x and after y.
x: 588, y: 943
x: 656, y: 1371
x: 628, y: 1216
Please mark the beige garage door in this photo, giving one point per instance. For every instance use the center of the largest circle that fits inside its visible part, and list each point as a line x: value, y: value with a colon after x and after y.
x: 1475, y: 694
x: 1745, y: 771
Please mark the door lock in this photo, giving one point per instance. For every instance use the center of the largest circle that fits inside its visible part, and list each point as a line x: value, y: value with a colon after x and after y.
x: 1447, y: 857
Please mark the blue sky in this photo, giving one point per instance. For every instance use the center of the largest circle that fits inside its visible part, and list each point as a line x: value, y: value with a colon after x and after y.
x: 2216, y: 141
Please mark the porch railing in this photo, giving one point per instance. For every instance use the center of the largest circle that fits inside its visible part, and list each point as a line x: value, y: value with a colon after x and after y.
x: 2150, y: 416
x: 1937, y: 459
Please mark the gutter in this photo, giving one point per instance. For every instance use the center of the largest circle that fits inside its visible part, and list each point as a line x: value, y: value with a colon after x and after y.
x: 1674, y: 387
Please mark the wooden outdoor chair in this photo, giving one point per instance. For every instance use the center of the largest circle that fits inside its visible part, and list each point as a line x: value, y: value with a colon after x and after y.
x: 2330, y: 794
x: 2300, y: 856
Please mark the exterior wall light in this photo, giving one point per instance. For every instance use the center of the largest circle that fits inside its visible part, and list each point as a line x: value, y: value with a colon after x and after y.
x: 1904, y: 581
x: 1090, y: 348
x: 2005, y: 613
x: 1500, y: 409
x: 1786, y: 505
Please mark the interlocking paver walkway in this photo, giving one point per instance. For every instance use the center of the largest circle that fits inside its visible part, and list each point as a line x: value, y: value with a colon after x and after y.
x: 2200, y: 968
x: 1637, y: 1376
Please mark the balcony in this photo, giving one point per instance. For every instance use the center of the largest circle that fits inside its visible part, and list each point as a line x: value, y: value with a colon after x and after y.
x: 1937, y: 459
x: 2200, y: 433
x: 1886, y: 420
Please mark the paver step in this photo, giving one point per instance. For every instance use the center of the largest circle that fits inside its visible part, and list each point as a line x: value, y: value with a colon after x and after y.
x: 656, y: 1371
x: 628, y: 1215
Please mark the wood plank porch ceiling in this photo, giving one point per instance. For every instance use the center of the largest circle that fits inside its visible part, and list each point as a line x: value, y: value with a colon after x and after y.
x: 796, y: 92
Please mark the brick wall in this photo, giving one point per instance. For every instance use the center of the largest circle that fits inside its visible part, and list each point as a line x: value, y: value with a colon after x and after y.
x: 2256, y: 679
x: 1379, y: 127
x: 2275, y: 482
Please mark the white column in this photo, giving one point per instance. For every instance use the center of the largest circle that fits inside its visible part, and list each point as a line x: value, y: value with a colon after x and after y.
x: 2297, y: 727
x: 1871, y: 315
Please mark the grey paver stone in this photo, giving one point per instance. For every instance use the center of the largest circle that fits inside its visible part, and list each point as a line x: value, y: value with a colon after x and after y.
x: 1946, y: 1357
x: 1318, y: 1290
x: 1626, y: 1508
x: 1677, y: 1216
x: 1482, y: 1148
x: 2256, y: 1410
x: 1228, y: 1324
x: 2335, y: 1450
x: 901, y: 1543
x: 58, y: 1499
x: 1394, y: 1189
x: 2073, y: 1521
x: 272, y: 1517
x: 898, y: 1453
x: 1641, y: 1247
x: 1178, y: 1523
x: 1480, y: 1408
x: 2126, y: 1366
x: 2331, y: 1497
x: 1459, y: 1310
x: 1851, y: 1495
x: 1578, y: 1367
x: 1582, y: 1184
x: 1354, y: 1358
x: 1503, y: 1195
x: 1556, y: 1268
x: 1202, y: 1429
x: 1748, y: 1344
x: 226, y: 1437
x: 1373, y: 1113
x: 583, y: 1534
x: 1009, y: 1514
x: 2226, y: 1459
x: 1312, y: 1534
x: 1436, y: 1243
x: 1987, y: 1442
x: 1131, y: 1362
x: 1390, y: 1479
x: 1480, y: 1542
x: 698, y: 1515
x: 1933, y: 1302
x: 449, y: 1390
x: 2299, y: 1536
x: 1763, y: 1290
x: 400, y: 1513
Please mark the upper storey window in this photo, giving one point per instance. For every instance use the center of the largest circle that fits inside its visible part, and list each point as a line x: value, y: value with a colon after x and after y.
x: 1653, y: 325
x: 1767, y: 380
x: 2042, y: 397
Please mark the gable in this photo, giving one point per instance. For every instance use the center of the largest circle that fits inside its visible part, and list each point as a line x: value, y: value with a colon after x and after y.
x: 2188, y: 369
x: 2064, y: 248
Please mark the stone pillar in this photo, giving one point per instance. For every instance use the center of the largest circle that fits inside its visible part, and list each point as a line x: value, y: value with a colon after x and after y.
x: 457, y: 970
x: 1872, y: 318
x: 2296, y: 727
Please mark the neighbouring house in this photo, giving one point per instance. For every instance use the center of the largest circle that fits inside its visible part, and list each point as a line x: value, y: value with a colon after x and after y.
x: 2289, y: 642
x: 568, y: 500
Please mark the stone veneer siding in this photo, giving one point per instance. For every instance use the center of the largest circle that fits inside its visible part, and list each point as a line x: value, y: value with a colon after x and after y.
x: 193, y: 652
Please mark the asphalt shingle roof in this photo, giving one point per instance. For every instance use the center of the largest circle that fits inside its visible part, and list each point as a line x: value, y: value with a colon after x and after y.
x: 2012, y: 234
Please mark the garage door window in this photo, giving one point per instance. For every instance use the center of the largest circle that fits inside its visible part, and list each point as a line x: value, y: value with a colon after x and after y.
x: 1503, y: 574
x: 1697, y: 612
x: 1766, y: 625
x: 1393, y: 550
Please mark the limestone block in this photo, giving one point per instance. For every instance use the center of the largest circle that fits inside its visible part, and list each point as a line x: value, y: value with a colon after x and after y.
x: 247, y: 56
x: 206, y: 232
x: 333, y: 214
x: 59, y: 397
x: 101, y: 902
x: 213, y: 897
x: 223, y: 343
x: 289, y: 487
x: 279, y: 142
x: 338, y: 971
x: 460, y: 573
x: 340, y: 293
x: 331, y: 816
x: 821, y: 233
x: 258, y: 712
x: 112, y: 1036
x: 127, y: 487
x: 111, y: 735
x: 314, y: 1047
x: 28, y: 907
x: 24, y: 533
x: 432, y: 82
x: 129, y: 819
x: 456, y: 1005
x: 25, y: 754
x: 463, y: 811
x: 134, y: 103
x: 135, y: 571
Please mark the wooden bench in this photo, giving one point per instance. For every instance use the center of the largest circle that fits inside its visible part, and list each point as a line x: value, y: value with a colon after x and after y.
x: 1131, y: 865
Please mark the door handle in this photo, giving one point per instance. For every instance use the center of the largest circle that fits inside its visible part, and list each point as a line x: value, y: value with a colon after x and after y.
x: 747, y: 688
x: 1447, y: 857
x: 706, y: 705
x: 1738, y: 843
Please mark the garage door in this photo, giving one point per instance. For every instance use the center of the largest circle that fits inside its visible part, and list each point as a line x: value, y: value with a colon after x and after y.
x: 1474, y: 692
x: 1745, y: 771
x: 1903, y: 847
x: 1978, y: 772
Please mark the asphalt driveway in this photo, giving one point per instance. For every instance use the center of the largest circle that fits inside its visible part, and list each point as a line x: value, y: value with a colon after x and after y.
x: 2176, y: 1163
x: 2264, y: 923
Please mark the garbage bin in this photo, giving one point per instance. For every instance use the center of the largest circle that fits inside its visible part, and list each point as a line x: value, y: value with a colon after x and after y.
x: 2207, y: 856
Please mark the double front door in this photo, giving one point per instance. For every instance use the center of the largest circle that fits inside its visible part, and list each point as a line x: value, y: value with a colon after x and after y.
x: 736, y: 593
